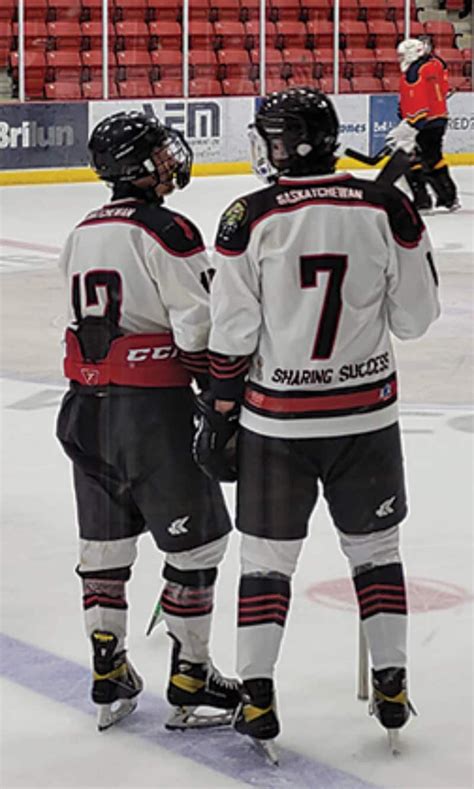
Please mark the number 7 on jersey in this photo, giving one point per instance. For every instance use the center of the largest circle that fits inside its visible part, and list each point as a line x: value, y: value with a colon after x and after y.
x: 310, y: 268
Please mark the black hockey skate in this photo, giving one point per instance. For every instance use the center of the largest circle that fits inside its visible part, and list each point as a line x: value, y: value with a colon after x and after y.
x: 256, y: 716
x: 390, y: 703
x: 193, y: 685
x: 116, y: 683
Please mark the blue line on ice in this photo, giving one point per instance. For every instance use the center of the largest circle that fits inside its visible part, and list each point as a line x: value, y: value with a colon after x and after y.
x: 221, y: 750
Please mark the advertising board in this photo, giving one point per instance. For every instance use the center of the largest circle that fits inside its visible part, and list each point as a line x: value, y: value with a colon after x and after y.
x: 40, y: 135
x: 215, y: 128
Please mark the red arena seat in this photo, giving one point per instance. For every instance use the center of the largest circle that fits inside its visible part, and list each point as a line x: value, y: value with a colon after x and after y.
x: 391, y: 84
x: 35, y: 72
x: 205, y: 87
x: 238, y: 87
x: 366, y: 85
x: 291, y: 35
x: 92, y: 35
x: 324, y: 62
x: 201, y: 35
x: 63, y: 91
x: 300, y: 64
x: 225, y: 11
x: 165, y: 10
x: 252, y: 35
x: 316, y: 10
x: 234, y: 64
x: 321, y: 34
x: 442, y: 33
x: 35, y: 9
x: 273, y: 63
x: 130, y: 11
x: 453, y: 58
x: 134, y: 64
x: 199, y: 10
x: 203, y: 64
x: 382, y: 34
x: 64, y: 35
x: 349, y: 10
x: 92, y: 65
x: 165, y: 35
x: 327, y: 85
x: 93, y: 90
x: 353, y: 34
x: 284, y: 10
x: 36, y: 35
x: 230, y: 35
x: 387, y: 62
x: 63, y: 66
x: 373, y: 10
x: 416, y: 29
x: 131, y: 35
x: 169, y: 64
x: 169, y: 88
x: 461, y: 83
x: 134, y: 88
x: 249, y: 10
x: 272, y: 85
x: 65, y: 11
x: 359, y: 63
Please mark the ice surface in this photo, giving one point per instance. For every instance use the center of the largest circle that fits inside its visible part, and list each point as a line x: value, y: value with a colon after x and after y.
x: 48, y: 729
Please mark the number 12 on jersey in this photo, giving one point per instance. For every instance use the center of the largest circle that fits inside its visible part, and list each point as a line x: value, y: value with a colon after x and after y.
x: 310, y: 268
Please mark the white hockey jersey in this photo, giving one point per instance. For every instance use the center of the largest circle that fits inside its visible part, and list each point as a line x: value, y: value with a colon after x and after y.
x: 145, y: 263
x: 312, y: 275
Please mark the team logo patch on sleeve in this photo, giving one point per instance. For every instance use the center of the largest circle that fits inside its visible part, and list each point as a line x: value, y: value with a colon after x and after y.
x: 232, y: 219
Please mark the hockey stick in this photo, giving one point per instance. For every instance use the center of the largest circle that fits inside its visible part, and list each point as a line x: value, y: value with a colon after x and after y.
x: 156, y: 617
x: 363, y: 667
x: 370, y: 160
x: 397, y: 165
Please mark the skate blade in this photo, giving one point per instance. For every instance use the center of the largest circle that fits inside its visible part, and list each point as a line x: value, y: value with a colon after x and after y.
x: 110, y: 714
x: 267, y: 749
x: 394, y: 742
x: 186, y: 718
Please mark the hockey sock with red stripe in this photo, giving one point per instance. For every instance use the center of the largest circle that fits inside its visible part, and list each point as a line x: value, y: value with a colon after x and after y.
x: 383, y: 611
x: 105, y: 603
x: 263, y: 607
x: 187, y: 602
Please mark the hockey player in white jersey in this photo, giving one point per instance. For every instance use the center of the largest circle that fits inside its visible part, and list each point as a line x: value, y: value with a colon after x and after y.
x: 313, y: 275
x: 138, y: 305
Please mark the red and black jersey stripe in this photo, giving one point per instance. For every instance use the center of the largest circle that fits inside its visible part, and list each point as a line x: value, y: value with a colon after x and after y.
x: 263, y: 601
x: 195, y: 362
x: 346, y: 401
x: 228, y: 375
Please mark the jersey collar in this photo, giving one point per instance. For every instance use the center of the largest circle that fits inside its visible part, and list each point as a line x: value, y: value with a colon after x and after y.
x: 329, y: 178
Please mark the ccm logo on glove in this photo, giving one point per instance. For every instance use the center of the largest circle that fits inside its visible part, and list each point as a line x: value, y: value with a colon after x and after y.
x: 144, y: 354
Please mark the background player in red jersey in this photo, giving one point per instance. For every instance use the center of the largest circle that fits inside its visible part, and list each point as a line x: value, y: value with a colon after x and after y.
x: 135, y: 274
x: 423, y: 108
x: 313, y: 274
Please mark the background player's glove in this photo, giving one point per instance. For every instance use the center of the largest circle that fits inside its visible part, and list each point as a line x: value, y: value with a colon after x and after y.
x: 215, y: 440
x: 402, y: 137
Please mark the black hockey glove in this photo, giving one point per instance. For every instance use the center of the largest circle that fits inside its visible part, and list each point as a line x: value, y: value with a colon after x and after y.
x: 215, y: 440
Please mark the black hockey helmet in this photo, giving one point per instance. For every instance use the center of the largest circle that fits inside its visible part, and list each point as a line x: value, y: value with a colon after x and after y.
x: 127, y: 146
x: 300, y: 128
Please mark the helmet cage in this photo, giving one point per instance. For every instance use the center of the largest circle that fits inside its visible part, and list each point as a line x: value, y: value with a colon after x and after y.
x: 129, y: 146
x: 259, y: 156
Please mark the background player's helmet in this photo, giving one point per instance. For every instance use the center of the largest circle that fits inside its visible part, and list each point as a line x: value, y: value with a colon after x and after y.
x: 300, y: 129
x: 128, y: 146
x: 410, y: 50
